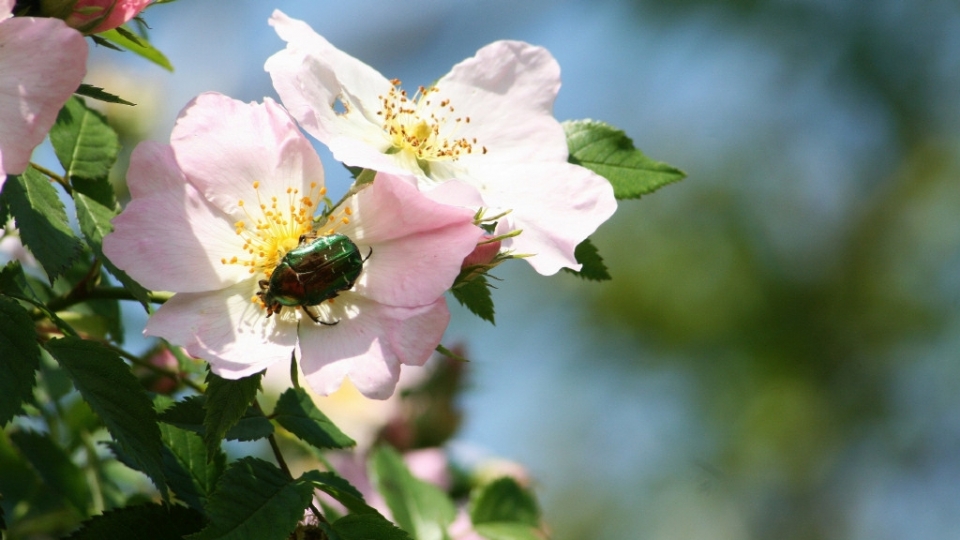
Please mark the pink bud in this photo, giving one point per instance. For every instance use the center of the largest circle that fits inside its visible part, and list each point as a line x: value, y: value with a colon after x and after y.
x: 483, y: 254
x: 155, y: 382
x: 94, y: 16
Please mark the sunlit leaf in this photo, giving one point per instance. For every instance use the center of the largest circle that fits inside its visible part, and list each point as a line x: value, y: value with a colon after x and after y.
x: 84, y: 144
x: 475, y: 296
x: 227, y: 401
x: 297, y: 413
x: 418, y: 507
x: 593, y: 268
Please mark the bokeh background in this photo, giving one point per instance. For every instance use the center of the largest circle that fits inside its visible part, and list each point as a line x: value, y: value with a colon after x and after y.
x: 776, y: 356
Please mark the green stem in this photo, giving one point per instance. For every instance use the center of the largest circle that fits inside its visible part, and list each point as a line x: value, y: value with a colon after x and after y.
x: 93, y: 473
x: 53, y: 176
x: 143, y: 362
x: 102, y: 293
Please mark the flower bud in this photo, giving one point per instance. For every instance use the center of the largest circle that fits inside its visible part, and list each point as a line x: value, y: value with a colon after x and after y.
x: 483, y: 254
x: 94, y: 16
x: 156, y: 382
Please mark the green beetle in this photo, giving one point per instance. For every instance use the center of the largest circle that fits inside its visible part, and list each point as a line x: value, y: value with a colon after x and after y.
x: 315, y: 271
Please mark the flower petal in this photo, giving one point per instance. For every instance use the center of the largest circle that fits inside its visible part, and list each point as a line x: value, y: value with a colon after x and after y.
x: 226, y: 329
x: 224, y: 145
x: 417, y: 245
x: 508, y: 88
x: 369, y: 348
x: 169, y: 237
x: 332, y: 95
x: 556, y: 205
x: 43, y: 62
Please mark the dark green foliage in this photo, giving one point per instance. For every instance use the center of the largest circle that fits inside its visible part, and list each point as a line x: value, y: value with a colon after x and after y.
x: 20, y: 358
x: 608, y: 152
x: 143, y: 522
x: 98, y: 93
x: 85, y: 145
x: 227, y: 401
x: 504, y: 501
x: 255, y: 499
x: 418, y: 507
x: 367, y: 526
x: 106, y: 384
x: 191, y: 477
x: 297, y: 413
x: 593, y: 267
x: 475, y: 296
x: 42, y: 221
x: 59, y: 474
x: 189, y: 414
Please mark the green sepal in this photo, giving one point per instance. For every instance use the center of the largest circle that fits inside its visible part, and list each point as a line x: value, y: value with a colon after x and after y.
x: 608, y: 152
x: 95, y: 92
x: 137, y: 45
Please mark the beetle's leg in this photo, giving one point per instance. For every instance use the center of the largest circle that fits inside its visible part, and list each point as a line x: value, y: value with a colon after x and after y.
x: 316, y: 319
x: 369, y: 254
x: 264, y: 285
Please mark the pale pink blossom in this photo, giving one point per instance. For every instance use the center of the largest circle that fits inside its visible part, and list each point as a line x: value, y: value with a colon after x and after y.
x: 42, y: 62
x: 489, y: 123
x: 95, y: 16
x: 214, y: 212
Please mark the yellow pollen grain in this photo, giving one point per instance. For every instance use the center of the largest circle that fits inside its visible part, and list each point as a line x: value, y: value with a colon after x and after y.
x: 345, y: 220
x: 348, y: 211
x: 256, y: 185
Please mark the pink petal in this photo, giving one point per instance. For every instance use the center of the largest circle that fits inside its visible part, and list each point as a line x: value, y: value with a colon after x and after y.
x: 224, y: 146
x: 117, y: 13
x: 6, y: 8
x: 369, y: 347
x: 43, y: 62
x: 557, y: 205
x: 226, y: 329
x: 418, y: 245
x: 169, y: 237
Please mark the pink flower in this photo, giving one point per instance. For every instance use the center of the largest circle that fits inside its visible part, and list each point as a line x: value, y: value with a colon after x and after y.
x: 95, y: 16
x: 42, y: 62
x: 216, y: 211
x: 489, y: 123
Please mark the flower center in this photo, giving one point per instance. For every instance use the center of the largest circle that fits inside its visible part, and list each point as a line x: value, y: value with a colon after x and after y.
x: 274, y: 227
x: 423, y: 125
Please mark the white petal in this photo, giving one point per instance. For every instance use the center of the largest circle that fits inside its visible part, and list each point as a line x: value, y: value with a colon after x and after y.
x: 226, y: 329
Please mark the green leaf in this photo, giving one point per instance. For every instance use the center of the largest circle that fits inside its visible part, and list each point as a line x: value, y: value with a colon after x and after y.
x: 13, y: 282
x: 227, y: 401
x: 106, y: 384
x: 139, y: 46
x: 504, y: 501
x: 85, y: 145
x: 100, y: 94
x: 94, y: 220
x: 190, y: 476
x: 190, y: 413
x: 255, y: 499
x: 20, y: 359
x: 475, y: 296
x: 297, y: 413
x: 341, y: 490
x: 419, y: 508
x: 42, y: 221
x: 56, y: 469
x: 593, y: 268
x: 143, y: 522
x: 608, y: 152
x: 366, y: 526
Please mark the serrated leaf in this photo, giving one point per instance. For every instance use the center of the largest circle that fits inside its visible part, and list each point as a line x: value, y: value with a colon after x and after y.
x: 608, y: 152
x: 227, y: 401
x: 106, y: 384
x: 593, y: 268
x: 297, y: 413
x: 341, y: 490
x: 100, y: 94
x: 13, y: 282
x: 143, y: 522
x: 190, y: 476
x: 419, y: 508
x: 475, y: 296
x: 94, y: 220
x: 140, y: 47
x: 504, y: 501
x: 20, y: 359
x: 255, y: 499
x: 367, y: 526
x: 54, y: 466
x: 84, y: 144
x: 189, y: 415
x: 42, y: 222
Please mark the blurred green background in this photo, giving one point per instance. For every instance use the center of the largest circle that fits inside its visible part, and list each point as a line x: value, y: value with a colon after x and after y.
x: 776, y: 356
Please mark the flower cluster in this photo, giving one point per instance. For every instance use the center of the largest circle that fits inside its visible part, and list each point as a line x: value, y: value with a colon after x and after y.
x: 233, y: 216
